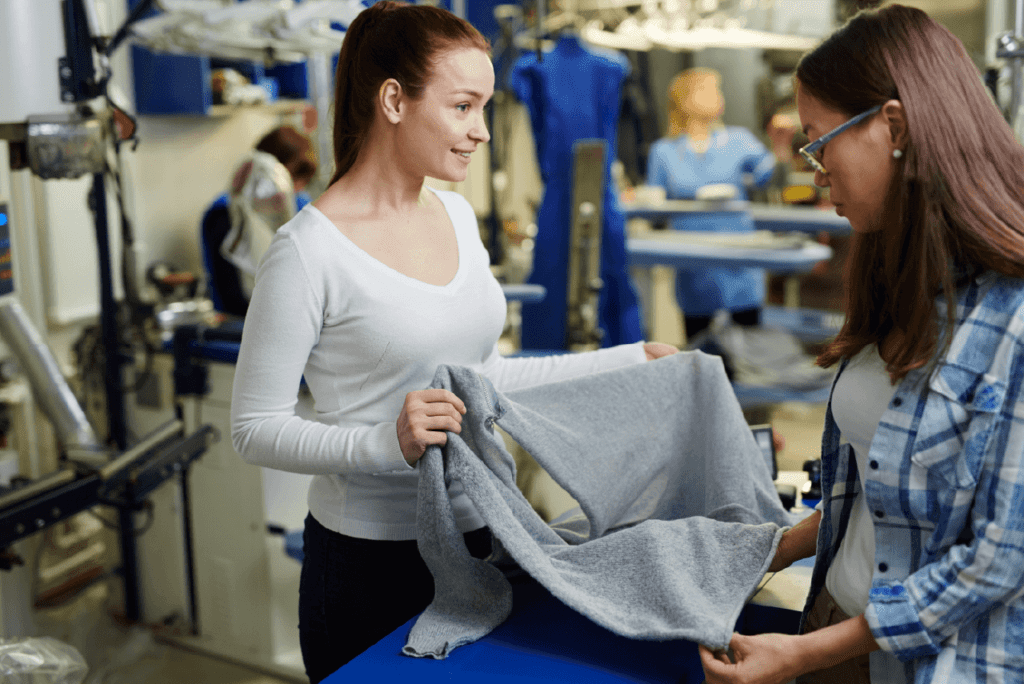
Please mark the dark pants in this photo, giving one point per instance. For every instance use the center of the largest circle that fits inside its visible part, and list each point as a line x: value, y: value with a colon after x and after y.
x: 695, y: 324
x: 354, y: 592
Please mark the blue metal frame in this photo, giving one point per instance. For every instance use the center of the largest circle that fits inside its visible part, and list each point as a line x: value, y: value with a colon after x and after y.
x: 808, y: 150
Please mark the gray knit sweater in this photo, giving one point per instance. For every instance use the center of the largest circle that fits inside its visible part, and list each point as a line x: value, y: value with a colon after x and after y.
x: 678, y: 518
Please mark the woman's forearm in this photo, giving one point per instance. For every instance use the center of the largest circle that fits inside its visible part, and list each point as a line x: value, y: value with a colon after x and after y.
x: 832, y: 645
x: 799, y: 542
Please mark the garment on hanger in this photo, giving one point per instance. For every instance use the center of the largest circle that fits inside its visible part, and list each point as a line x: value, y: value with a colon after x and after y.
x: 678, y: 518
x: 681, y: 167
x: 574, y: 93
x: 638, y: 125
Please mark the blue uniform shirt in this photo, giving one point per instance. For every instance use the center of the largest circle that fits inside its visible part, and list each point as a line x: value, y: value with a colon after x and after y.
x: 674, y: 165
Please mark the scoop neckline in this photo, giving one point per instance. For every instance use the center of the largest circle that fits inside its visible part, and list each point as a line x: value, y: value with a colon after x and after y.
x: 395, y: 274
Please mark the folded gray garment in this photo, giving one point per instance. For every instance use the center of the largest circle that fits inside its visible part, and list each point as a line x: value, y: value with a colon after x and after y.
x: 678, y: 518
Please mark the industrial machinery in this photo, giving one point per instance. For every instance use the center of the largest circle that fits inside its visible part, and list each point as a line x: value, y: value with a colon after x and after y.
x: 584, y: 284
x: 203, y: 564
x: 65, y: 123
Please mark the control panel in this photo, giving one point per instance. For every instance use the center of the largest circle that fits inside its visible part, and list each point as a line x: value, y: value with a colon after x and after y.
x: 6, y: 269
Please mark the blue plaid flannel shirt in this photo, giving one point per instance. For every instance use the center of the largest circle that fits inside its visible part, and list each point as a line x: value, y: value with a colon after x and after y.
x: 945, y: 486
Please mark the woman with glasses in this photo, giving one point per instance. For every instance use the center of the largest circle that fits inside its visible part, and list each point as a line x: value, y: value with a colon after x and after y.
x: 919, y: 540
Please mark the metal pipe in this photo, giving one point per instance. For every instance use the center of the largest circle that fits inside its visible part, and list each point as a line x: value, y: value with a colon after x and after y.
x: 52, y: 481
x: 129, y: 564
x: 122, y: 32
x: 50, y: 388
x: 321, y: 89
x: 1016, y: 82
x: 109, y: 329
x: 151, y: 440
x: 190, y: 563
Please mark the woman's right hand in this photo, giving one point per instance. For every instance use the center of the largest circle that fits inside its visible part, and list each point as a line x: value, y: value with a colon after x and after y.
x: 425, y: 418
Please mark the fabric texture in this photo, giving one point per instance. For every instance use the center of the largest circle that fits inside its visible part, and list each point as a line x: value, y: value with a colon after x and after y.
x: 363, y: 336
x: 222, y: 278
x: 943, y: 484
x: 261, y: 200
x: 574, y: 92
x: 733, y: 152
x: 761, y: 356
x: 678, y: 518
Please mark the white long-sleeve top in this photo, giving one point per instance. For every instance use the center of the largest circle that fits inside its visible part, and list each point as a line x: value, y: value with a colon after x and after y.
x: 364, y: 335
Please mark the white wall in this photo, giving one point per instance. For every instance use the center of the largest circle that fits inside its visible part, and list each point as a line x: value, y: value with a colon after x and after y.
x: 180, y: 166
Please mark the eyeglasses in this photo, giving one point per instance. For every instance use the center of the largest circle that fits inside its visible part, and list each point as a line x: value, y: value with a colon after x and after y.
x: 811, y: 151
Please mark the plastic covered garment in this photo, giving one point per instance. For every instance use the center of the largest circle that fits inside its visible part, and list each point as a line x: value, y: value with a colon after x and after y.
x: 223, y: 281
x: 261, y: 200
x: 40, y: 660
x: 574, y: 94
x: 763, y: 356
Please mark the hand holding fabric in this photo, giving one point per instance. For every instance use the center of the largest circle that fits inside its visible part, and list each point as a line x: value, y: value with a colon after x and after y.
x: 656, y: 350
x: 778, y: 658
x: 425, y: 418
x: 761, y: 659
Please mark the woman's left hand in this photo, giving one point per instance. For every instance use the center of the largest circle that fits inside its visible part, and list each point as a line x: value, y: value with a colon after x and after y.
x: 655, y: 350
x: 761, y: 659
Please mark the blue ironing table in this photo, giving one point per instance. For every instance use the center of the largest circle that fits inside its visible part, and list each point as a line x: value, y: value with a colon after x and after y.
x: 658, y: 248
x: 776, y: 218
x: 525, y: 293
x: 545, y: 641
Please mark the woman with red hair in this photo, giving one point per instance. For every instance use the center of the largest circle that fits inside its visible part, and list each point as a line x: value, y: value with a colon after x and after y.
x: 363, y: 294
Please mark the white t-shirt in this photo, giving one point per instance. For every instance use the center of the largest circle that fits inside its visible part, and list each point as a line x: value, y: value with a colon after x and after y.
x: 364, y: 335
x: 862, y: 393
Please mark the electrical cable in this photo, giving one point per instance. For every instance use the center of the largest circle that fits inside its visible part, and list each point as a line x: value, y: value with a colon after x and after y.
x: 138, y: 531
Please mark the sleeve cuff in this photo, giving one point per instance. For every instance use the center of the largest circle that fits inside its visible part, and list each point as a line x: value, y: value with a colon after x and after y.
x: 895, y: 624
x: 763, y: 171
x: 620, y: 355
x: 638, y: 351
x: 382, y: 451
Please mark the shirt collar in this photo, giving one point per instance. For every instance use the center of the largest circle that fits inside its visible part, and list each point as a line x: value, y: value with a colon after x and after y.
x: 718, y: 138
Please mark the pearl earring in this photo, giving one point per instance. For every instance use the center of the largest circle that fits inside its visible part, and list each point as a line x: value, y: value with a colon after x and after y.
x: 896, y: 154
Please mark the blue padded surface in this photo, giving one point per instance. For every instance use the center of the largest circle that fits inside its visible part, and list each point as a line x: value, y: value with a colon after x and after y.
x: 293, y: 544
x: 545, y: 641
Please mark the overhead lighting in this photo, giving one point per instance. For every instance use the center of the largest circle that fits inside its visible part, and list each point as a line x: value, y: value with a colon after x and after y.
x: 628, y: 35
x: 632, y: 35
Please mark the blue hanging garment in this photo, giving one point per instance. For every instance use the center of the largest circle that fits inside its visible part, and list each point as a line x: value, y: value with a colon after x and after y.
x: 574, y: 94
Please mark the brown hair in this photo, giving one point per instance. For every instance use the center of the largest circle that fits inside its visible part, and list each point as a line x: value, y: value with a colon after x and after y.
x: 388, y: 40
x: 292, y: 149
x: 960, y: 206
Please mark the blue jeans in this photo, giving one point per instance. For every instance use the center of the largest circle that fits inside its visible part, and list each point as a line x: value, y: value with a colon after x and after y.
x: 354, y: 592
